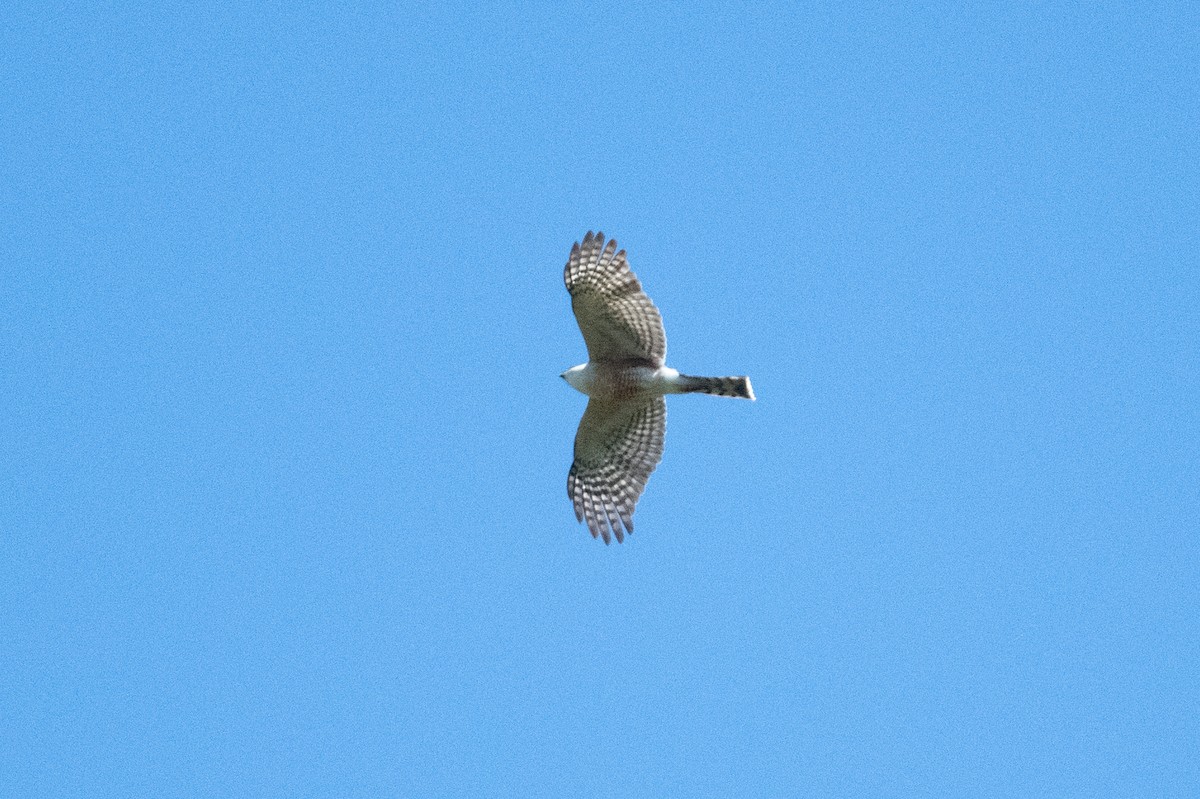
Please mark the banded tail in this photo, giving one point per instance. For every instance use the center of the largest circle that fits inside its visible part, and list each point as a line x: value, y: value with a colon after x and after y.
x: 720, y: 386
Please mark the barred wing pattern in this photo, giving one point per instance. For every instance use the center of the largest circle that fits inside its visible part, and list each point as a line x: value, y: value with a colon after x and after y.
x: 617, y: 446
x: 618, y: 320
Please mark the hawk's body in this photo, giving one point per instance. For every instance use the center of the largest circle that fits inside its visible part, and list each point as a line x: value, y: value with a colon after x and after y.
x: 620, y: 438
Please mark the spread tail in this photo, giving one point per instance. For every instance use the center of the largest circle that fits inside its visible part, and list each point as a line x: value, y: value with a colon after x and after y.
x: 721, y: 386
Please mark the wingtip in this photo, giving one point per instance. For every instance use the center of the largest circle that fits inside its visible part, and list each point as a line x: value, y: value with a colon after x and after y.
x: 596, y: 239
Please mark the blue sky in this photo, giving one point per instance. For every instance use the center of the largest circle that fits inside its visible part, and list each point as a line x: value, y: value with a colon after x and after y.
x: 282, y: 486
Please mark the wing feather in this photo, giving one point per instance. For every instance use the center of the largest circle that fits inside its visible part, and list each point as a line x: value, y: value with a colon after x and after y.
x: 618, y: 321
x: 617, y: 446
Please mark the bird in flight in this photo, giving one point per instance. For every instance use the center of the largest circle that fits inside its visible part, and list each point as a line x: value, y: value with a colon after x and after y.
x: 620, y: 437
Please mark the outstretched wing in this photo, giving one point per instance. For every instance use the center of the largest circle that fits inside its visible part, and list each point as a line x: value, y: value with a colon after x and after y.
x: 618, y: 320
x: 617, y: 446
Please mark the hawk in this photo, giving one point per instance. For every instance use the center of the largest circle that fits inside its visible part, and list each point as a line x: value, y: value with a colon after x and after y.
x: 620, y: 437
